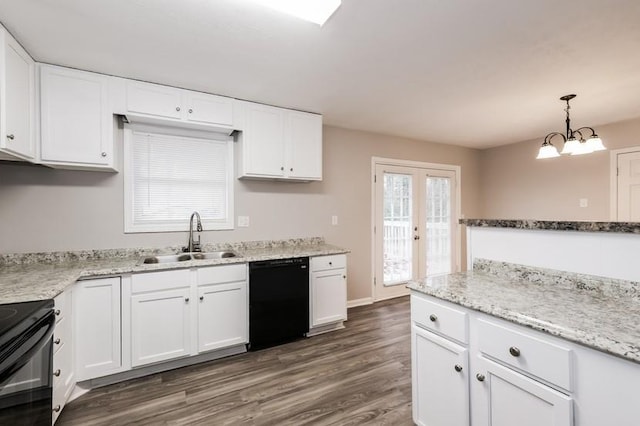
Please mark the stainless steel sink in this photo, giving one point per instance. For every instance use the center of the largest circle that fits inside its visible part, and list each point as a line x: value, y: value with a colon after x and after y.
x: 183, y: 257
x: 222, y: 254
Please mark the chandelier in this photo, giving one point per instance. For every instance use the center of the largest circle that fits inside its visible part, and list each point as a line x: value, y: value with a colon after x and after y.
x: 574, y: 141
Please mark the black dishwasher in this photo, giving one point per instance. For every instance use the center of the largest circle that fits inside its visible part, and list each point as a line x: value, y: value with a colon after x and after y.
x: 278, y: 301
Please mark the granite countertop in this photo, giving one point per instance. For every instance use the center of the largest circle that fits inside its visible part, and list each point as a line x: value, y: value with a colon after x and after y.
x: 600, y: 313
x: 556, y: 225
x: 39, y: 276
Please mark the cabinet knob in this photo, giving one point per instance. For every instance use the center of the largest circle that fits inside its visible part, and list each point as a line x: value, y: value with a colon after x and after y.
x: 186, y: 299
x: 458, y: 368
x: 57, y: 373
x: 11, y: 137
x: 57, y: 408
x: 480, y: 377
x: 104, y: 154
x: 57, y: 341
x: 201, y: 297
x: 330, y: 263
x: 291, y: 169
x: 344, y: 276
x: 433, y: 317
x: 514, y: 351
x: 190, y: 110
x: 178, y: 109
x: 282, y: 168
x: 57, y: 312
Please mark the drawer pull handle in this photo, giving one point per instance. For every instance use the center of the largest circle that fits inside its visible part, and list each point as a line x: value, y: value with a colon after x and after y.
x: 57, y: 341
x: 458, y: 368
x: 178, y: 109
x: 11, y: 137
x: 57, y: 312
x: 514, y: 351
x: 57, y: 373
x: 480, y: 377
x: 201, y: 297
x: 57, y: 408
x: 186, y: 299
x: 433, y: 317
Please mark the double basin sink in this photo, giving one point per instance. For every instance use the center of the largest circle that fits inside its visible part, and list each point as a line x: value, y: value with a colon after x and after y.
x: 184, y: 257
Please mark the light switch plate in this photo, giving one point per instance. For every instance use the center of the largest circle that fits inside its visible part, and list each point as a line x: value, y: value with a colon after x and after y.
x: 584, y: 202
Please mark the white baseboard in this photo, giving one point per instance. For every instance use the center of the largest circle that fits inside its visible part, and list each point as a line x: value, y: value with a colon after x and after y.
x: 359, y: 302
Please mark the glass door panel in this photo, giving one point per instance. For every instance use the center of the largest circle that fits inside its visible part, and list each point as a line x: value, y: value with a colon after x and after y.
x: 438, y: 226
x: 397, y: 228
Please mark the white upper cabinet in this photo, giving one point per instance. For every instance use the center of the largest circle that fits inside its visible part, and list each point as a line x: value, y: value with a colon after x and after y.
x: 76, y: 119
x: 147, y: 102
x: 277, y: 143
x: 304, y: 145
x: 17, y: 100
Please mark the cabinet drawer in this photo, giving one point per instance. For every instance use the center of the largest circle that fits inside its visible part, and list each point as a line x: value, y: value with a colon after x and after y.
x: 165, y: 280
x: 321, y: 263
x: 61, y: 304
x: 222, y: 274
x: 529, y: 354
x: 442, y: 319
x: 62, y: 333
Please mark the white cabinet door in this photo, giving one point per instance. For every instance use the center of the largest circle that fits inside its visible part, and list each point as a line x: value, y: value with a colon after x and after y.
x: 154, y: 100
x: 263, y: 141
x: 96, y: 333
x: 208, y: 109
x: 17, y: 99
x: 503, y: 397
x: 304, y: 145
x: 76, y: 119
x: 440, y: 380
x: 328, y: 296
x: 222, y: 315
x: 160, y: 326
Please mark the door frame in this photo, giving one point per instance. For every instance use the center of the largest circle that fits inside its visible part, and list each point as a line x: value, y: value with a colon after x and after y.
x: 613, y: 179
x: 375, y: 161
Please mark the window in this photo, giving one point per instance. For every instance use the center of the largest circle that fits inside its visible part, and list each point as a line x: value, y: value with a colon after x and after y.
x: 168, y: 176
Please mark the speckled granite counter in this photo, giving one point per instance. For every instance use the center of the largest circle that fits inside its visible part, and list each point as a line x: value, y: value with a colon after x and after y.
x: 597, y: 312
x: 37, y: 276
x: 584, y: 226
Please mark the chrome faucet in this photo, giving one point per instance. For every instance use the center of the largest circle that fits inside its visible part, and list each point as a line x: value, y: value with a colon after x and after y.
x: 193, y: 245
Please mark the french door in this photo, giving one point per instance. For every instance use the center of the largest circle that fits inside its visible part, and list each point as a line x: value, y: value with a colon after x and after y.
x: 415, y: 228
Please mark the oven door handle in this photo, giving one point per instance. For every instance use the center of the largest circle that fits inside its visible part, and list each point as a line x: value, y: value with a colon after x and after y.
x: 21, y: 351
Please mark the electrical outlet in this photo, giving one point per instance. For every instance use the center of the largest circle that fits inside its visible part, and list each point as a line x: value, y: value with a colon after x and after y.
x: 584, y: 202
x: 243, y: 221
x: 334, y: 220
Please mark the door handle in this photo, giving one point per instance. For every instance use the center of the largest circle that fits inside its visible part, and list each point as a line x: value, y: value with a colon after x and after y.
x: 416, y: 237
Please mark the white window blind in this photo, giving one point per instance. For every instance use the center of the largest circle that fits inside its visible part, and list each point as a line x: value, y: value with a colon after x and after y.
x: 169, y: 177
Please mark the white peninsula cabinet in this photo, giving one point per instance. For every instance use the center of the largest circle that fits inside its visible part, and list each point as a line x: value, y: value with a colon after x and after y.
x: 277, y: 143
x: 76, y: 120
x: 327, y: 293
x: 17, y: 100
x: 503, y: 374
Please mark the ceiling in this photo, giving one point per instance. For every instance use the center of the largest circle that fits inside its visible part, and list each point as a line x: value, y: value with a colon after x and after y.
x: 471, y: 73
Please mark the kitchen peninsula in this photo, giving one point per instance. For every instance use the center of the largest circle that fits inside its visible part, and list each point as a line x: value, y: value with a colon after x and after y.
x: 542, y: 330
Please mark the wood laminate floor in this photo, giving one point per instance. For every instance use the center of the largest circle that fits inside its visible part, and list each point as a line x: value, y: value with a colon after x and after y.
x: 358, y: 375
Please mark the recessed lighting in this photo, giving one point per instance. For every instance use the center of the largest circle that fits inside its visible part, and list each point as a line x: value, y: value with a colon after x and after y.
x: 316, y: 11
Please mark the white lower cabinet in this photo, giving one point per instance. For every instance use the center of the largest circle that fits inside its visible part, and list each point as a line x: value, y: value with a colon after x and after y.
x: 160, y: 316
x: 63, y: 371
x: 504, y: 397
x: 223, y: 314
x: 97, y: 327
x: 440, y: 380
x: 328, y: 290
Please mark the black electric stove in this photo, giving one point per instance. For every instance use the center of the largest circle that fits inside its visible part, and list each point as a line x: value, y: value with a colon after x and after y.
x: 25, y: 363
